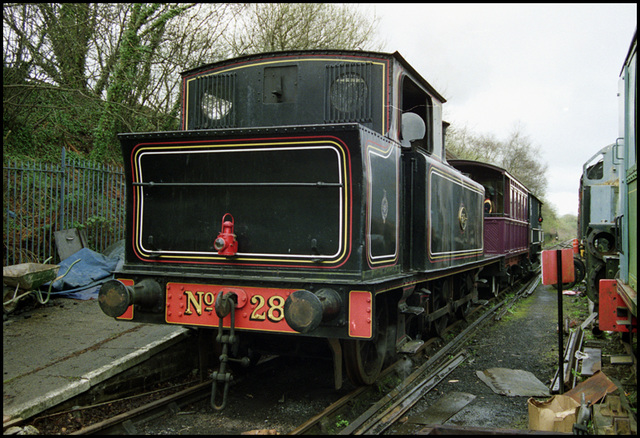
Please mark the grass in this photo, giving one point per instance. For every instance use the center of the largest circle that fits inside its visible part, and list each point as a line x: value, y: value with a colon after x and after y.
x: 519, y: 310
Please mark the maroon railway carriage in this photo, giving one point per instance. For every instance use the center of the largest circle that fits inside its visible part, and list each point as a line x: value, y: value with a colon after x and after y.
x: 512, y: 217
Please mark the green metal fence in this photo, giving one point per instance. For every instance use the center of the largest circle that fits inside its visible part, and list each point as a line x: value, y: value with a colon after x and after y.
x: 42, y: 198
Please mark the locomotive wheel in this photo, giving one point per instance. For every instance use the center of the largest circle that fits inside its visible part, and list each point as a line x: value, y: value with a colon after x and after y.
x: 580, y: 268
x: 463, y: 287
x: 364, y: 359
x: 439, y: 301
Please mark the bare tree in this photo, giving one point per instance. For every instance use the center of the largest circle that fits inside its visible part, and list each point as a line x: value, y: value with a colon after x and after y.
x: 267, y: 27
x: 191, y: 39
x: 70, y: 28
x: 463, y: 143
x: 516, y: 154
x: 521, y: 158
x: 52, y: 37
x: 22, y: 43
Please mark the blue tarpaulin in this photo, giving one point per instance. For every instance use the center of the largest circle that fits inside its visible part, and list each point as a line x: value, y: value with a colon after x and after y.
x: 83, y: 279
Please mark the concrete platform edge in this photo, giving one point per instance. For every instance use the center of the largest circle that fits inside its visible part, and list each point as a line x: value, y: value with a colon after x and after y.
x: 134, y: 358
x: 85, y: 382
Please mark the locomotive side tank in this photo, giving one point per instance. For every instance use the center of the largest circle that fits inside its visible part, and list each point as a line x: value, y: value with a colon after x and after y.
x: 306, y: 198
x: 512, y: 220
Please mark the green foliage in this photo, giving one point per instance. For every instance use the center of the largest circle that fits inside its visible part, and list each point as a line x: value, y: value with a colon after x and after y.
x: 341, y: 422
x: 48, y: 119
x: 97, y: 225
x: 519, y: 310
x: 42, y: 198
x: 76, y: 75
x: 267, y: 27
x: 28, y: 215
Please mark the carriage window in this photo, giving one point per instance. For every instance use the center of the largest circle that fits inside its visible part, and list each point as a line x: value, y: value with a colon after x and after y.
x: 494, y: 199
x: 415, y: 100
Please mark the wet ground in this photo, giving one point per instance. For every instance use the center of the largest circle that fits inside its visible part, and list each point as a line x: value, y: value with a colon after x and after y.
x: 525, y: 339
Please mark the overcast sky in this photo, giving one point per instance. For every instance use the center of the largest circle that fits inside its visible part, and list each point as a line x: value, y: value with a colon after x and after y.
x: 552, y: 69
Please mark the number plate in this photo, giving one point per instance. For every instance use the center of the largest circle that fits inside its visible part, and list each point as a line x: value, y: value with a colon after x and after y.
x: 258, y: 308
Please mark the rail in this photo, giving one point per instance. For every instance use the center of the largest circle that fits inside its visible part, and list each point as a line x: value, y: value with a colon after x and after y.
x: 390, y: 408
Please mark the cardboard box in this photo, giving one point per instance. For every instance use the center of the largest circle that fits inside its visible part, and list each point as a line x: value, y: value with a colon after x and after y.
x: 558, y: 414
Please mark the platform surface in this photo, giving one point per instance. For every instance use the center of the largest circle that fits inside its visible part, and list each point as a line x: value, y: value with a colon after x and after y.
x: 51, y: 354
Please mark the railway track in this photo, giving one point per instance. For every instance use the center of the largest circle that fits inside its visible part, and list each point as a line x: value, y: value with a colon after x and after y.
x: 374, y: 420
x: 397, y: 402
x: 125, y: 423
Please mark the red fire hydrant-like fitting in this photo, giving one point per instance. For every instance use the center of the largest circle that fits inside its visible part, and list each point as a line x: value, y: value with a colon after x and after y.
x: 226, y: 243
x: 576, y: 246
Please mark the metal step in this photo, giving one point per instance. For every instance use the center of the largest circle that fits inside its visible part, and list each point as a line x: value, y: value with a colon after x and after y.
x: 410, y: 347
x: 414, y: 310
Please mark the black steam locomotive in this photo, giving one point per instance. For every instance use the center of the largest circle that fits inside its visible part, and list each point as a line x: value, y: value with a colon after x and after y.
x: 308, y: 202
